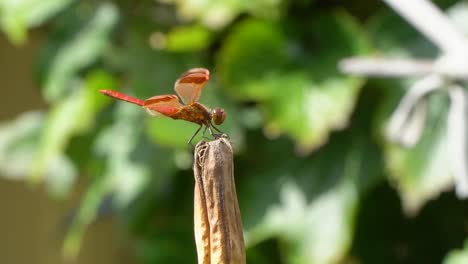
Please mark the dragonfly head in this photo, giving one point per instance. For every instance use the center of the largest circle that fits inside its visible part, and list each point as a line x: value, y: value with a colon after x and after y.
x: 218, y: 115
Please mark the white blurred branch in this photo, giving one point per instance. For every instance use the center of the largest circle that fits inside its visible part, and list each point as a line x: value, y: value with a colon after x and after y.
x: 457, y: 141
x: 386, y: 67
x: 408, y: 120
x: 431, y: 22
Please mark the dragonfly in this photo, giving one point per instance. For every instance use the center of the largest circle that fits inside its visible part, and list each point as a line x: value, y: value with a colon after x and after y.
x: 189, y: 88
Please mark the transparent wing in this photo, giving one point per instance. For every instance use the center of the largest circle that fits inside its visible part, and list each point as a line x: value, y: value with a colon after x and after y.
x: 166, y: 105
x: 190, y: 84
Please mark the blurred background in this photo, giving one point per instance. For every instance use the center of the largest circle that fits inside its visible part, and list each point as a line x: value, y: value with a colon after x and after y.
x: 86, y: 179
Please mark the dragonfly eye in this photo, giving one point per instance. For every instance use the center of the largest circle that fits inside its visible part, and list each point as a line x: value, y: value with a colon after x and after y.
x: 218, y: 115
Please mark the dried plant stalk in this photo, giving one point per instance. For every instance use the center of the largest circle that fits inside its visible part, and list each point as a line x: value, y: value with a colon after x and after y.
x: 218, y: 225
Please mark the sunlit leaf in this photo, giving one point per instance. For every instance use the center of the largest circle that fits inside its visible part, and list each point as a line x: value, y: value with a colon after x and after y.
x: 422, y: 172
x: 16, y: 16
x: 72, y: 116
x: 257, y: 63
x: 311, y: 111
x: 18, y: 142
x: 252, y: 56
x: 458, y: 256
x: 116, y: 142
x: 83, y: 49
x: 189, y: 38
x: 127, y: 171
x: 218, y: 14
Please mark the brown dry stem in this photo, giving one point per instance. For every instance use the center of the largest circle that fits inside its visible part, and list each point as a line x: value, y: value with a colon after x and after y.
x: 218, y: 226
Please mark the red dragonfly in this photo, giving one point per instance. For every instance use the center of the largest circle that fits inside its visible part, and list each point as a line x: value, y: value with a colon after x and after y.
x: 189, y: 87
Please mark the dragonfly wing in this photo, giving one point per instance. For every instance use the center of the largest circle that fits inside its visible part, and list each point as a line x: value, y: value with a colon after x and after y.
x: 190, y: 84
x: 166, y: 105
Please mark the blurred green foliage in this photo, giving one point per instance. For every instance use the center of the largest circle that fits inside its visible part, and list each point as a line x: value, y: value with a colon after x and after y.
x: 312, y: 167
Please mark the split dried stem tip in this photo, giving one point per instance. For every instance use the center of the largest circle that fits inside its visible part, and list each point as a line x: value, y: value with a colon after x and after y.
x: 217, y: 221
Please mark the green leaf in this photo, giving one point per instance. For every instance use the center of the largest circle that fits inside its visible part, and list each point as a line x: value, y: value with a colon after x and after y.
x: 16, y: 16
x: 421, y: 173
x: 72, y: 116
x: 243, y: 60
x: 86, y: 214
x: 127, y: 172
x: 115, y: 143
x: 313, y: 214
x: 311, y: 111
x: 188, y: 38
x: 457, y: 256
x: 218, y: 14
x: 300, y: 90
x: 83, y: 49
x: 19, y: 143
x: 317, y: 232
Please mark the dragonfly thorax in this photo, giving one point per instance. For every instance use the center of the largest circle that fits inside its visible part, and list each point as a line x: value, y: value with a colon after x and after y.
x: 195, y: 112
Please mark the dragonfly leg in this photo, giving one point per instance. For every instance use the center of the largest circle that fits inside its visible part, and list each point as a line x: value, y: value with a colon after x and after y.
x: 204, y: 133
x: 216, y: 136
x: 196, y: 132
x: 217, y: 129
